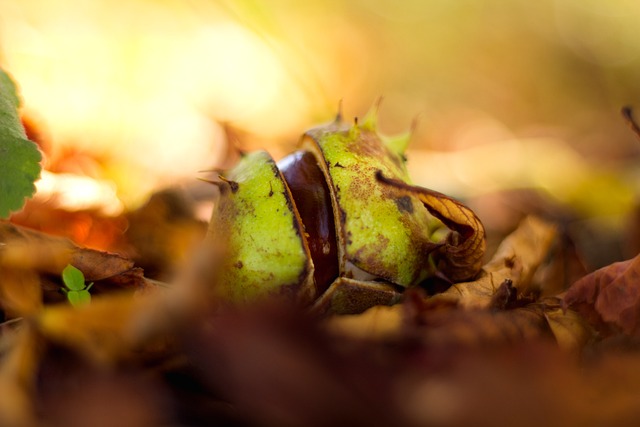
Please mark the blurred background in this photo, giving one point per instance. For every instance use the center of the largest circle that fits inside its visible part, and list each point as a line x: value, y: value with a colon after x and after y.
x: 507, y: 96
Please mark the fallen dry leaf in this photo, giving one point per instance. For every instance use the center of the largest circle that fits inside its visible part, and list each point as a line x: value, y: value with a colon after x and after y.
x: 164, y: 231
x: 377, y: 323
x: 570, y: 329
x: 32, y: 250
x: 512, y: 266
x: 98, y: 265
x: 20, y: 292
x: 444, y: 367
x: 492, y: 310
x: 40, y: 258
x: 515, y: 261
x: 111, y: 328
x: 44, y: 253
x: 609, y: 298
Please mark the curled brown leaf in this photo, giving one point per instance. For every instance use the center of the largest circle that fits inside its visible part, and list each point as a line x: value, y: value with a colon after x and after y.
x: 515, y: 262
x: 460, y: 258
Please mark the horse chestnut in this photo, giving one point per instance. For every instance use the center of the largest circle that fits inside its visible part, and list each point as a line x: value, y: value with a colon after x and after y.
x: 336, y: 225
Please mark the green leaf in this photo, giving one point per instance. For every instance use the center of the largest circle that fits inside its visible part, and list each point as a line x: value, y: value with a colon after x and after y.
x: 79, y: 298
x: 19, y: 157
x: 73, y: 278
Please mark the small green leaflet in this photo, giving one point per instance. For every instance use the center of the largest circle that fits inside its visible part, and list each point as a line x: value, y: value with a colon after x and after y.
x: 76, y: 290
x: 19, y: 157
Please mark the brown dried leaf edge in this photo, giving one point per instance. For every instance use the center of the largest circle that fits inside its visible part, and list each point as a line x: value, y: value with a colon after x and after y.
x: 460, y: 258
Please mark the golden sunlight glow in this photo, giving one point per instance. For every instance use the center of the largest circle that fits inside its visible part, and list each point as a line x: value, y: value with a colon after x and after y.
x: 144, y: 85
x: 536, y: 163
x: 151, y: 90
x: 225, y: 79
x: 74, y: 192
x: 612, y: 38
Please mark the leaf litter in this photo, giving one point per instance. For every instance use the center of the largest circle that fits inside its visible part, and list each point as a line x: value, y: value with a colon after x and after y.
x: 519, y: 344
x: 493, y: 351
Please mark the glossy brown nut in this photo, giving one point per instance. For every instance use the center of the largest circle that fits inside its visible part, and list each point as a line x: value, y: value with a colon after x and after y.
x: 313, y: 201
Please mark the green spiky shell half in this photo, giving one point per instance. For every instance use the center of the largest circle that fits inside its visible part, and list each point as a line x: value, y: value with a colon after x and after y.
x: 262, y: 233
x: 381, y: 234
